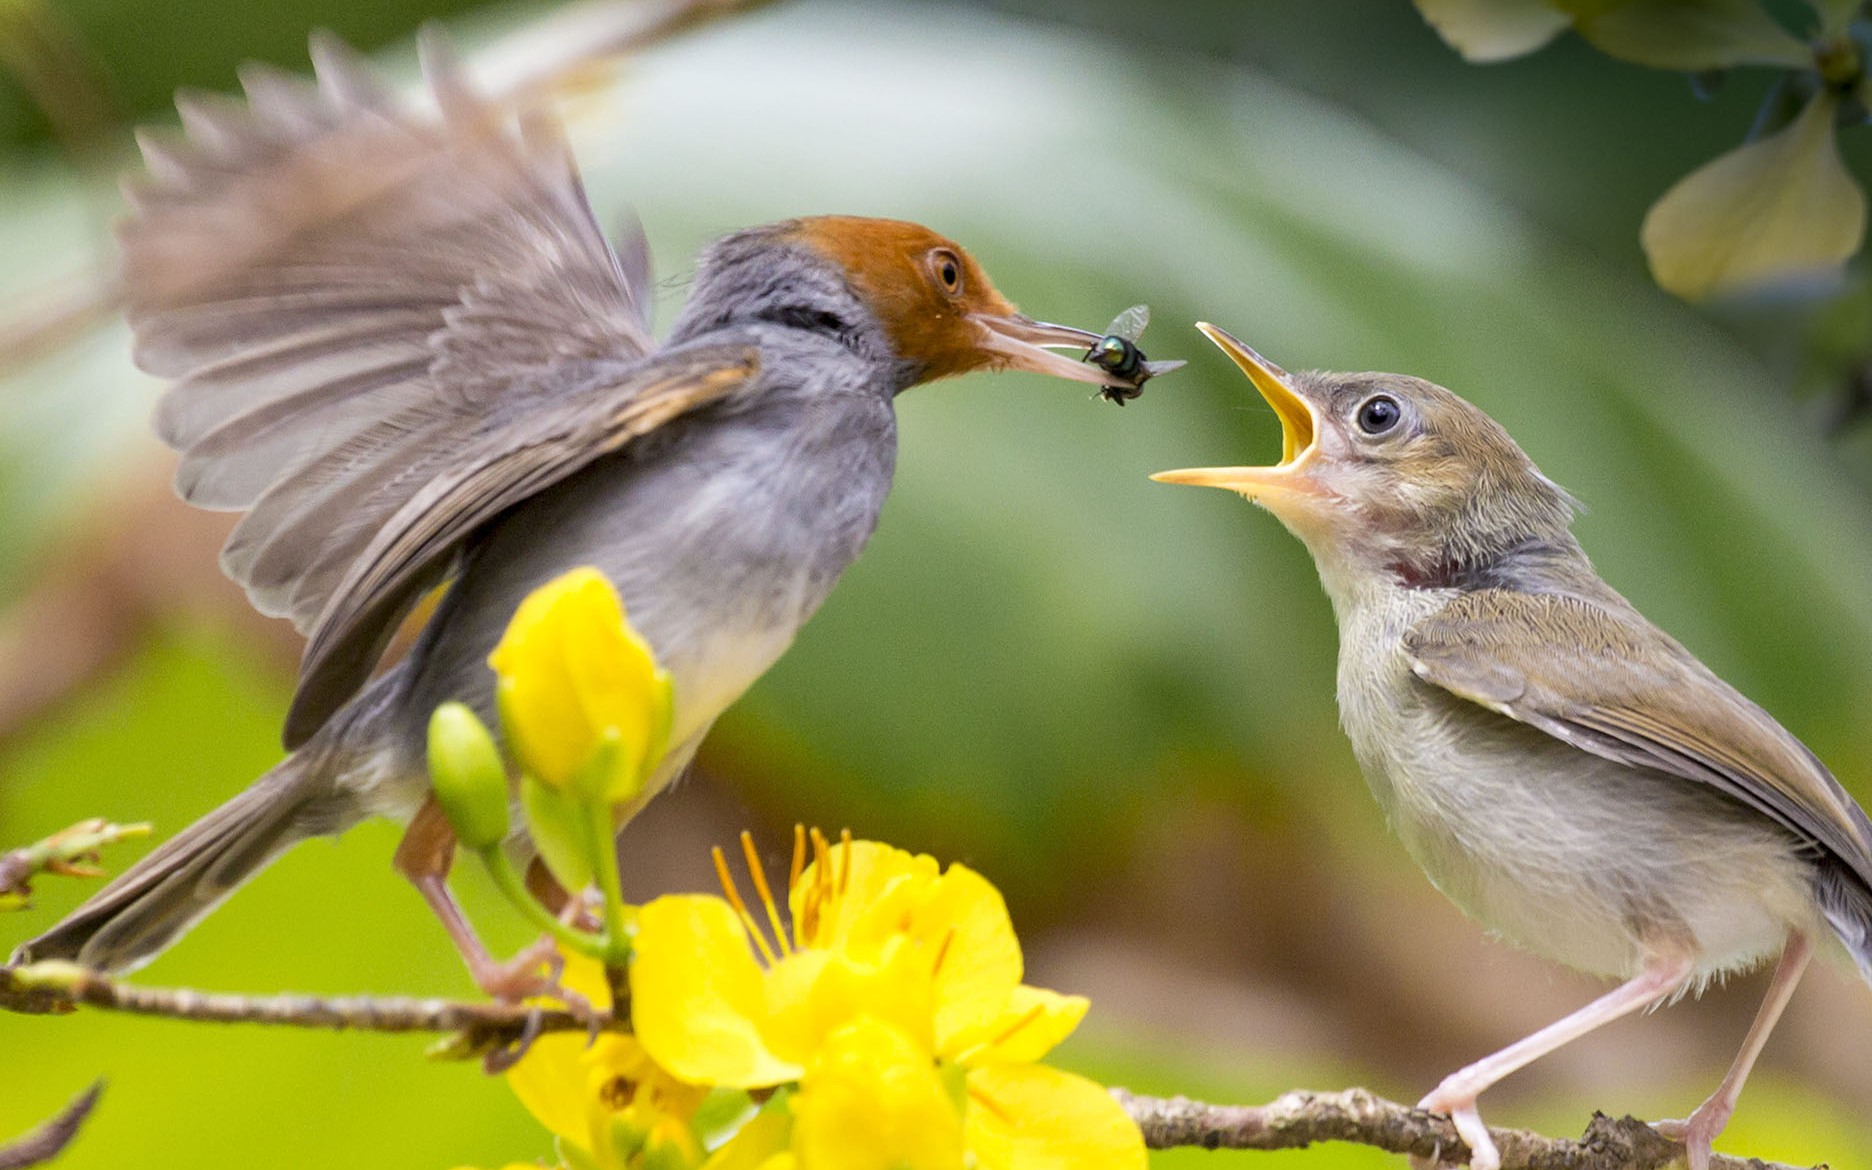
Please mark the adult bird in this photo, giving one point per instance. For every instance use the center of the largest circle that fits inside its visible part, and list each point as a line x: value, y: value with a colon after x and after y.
x: 1564, y: 771
x: 401, y: 345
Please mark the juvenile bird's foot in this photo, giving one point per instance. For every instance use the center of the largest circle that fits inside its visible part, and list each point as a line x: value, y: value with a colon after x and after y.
x: 1698, y: 1131
x: 1458, y: 1102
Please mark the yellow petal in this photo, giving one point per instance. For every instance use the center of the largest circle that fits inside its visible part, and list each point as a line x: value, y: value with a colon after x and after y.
x: 1672, y: 34
x: 550, y: 1082
x: 872, y: 1100
x: 1031, y: 1025
x: 571, y: 667
x: 1031, y: 1117
x: 1493, y: 30
x: 965, y: 922
x: 697, y: 1000
x: 1778, y: 209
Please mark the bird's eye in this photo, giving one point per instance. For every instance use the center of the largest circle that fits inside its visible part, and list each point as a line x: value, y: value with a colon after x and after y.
x: 948, y: 269
x: 1378, y: 414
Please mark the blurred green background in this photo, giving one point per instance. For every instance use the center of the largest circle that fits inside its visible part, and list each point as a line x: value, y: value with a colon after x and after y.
x: 1113, y: 698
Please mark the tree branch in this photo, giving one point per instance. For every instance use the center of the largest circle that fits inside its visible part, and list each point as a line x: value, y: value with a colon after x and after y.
x: 501, y: 1032
x: 1298, y: 1119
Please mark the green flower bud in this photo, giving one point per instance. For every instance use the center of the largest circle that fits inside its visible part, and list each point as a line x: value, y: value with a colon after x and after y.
x: 469, y: 779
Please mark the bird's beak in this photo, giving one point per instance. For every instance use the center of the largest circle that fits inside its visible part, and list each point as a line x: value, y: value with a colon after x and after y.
x: 1299, y: 427
x: 1014, y: 342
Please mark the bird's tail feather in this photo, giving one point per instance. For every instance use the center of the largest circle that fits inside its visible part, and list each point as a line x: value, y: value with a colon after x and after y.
x: 130, y: 921
x: 1847, y: 904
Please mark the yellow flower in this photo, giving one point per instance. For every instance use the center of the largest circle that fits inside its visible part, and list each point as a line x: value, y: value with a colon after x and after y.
x: 610, y: 1105
x: 578, y: 684
x: 895, y: 1001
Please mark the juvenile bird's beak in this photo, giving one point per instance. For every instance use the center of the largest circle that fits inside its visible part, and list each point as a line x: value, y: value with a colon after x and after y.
x: 1020, y: 343
x: 1298, y: 431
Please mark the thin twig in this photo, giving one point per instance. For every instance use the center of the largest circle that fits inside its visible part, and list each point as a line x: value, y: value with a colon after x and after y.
x: 1298, y: 1119
x: 49, y: 1140
x: 56, y: 987
x: 72, y: 852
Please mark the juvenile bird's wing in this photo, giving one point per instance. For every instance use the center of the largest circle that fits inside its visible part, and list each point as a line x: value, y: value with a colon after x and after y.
x: 346, y: 291
x: 1611, y: 683
x: 414, y: 548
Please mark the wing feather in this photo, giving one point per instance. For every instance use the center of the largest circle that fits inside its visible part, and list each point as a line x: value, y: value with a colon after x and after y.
x: 340, y: 285
x: 412, y: 551
x: 1602, y: 678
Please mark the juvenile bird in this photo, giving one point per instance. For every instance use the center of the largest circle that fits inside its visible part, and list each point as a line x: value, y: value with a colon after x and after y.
x: 402, y: 347
x: 1563, y: 770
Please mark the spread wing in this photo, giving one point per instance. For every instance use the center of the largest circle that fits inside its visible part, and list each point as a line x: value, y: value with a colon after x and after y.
x: 413, y: 550
x: 1609, y: 682
x: 345, y: 290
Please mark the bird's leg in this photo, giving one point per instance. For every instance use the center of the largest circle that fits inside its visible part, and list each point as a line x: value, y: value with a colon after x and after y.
x: 1699, y: 1130
x: 1457, y: 1094
x: 424, y: 856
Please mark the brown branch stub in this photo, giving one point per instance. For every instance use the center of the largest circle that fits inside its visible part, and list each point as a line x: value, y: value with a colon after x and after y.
x: 49, y: 1140
x: 1298, y: 1119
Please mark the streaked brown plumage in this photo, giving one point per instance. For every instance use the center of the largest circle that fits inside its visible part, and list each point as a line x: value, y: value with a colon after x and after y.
x: 1564, y: 770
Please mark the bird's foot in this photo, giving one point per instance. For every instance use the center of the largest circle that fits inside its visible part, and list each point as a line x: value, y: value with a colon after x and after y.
x: 1698, y: 1131
x: 533, y: 973
x: 1459, y: 1103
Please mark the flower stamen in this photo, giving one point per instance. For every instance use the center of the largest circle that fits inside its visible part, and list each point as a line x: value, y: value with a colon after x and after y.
x: 726, y: 877
x: 942, y: 951
x: 987, y: 1103
x: 758, y: 873
x: 845, y: 856
x: 1008, y: 1033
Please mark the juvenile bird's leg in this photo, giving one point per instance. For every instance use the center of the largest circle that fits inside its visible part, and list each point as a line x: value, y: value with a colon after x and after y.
x: 1456, y: 1096
x: 424, y: 856
x: 1699, y: 1130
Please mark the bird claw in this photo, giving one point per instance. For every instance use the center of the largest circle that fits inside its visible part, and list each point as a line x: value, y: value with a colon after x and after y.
x: 534, y: 973
x: 1460, y: 1108
x: 1697, y: 1132
x: 498, y: 1060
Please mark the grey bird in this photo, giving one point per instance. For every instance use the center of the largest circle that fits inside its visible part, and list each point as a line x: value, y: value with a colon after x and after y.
x: 1563, y: 770
x: 402, y: 347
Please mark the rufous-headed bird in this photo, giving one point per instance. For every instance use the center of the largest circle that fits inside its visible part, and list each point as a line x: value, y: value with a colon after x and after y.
x: 401, y: 345
x: 1562, y: 769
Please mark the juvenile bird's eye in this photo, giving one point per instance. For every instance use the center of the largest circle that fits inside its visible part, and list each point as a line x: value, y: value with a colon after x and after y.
x: 1378, y: 414
x: 948, y: 270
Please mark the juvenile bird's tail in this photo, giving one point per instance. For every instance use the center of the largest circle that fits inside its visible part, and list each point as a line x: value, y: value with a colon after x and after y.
x: 1847, y: 904
x: 130, y: 921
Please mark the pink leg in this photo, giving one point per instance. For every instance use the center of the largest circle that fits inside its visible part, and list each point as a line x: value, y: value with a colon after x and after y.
x: 1701, y: 1128
x: 1457, y: 1094
x: 424, y: 856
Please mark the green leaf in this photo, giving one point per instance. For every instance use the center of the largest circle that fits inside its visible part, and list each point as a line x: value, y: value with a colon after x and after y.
x: 1688, y: 34
x: 1485, y: 31
x: 1778, y: 209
